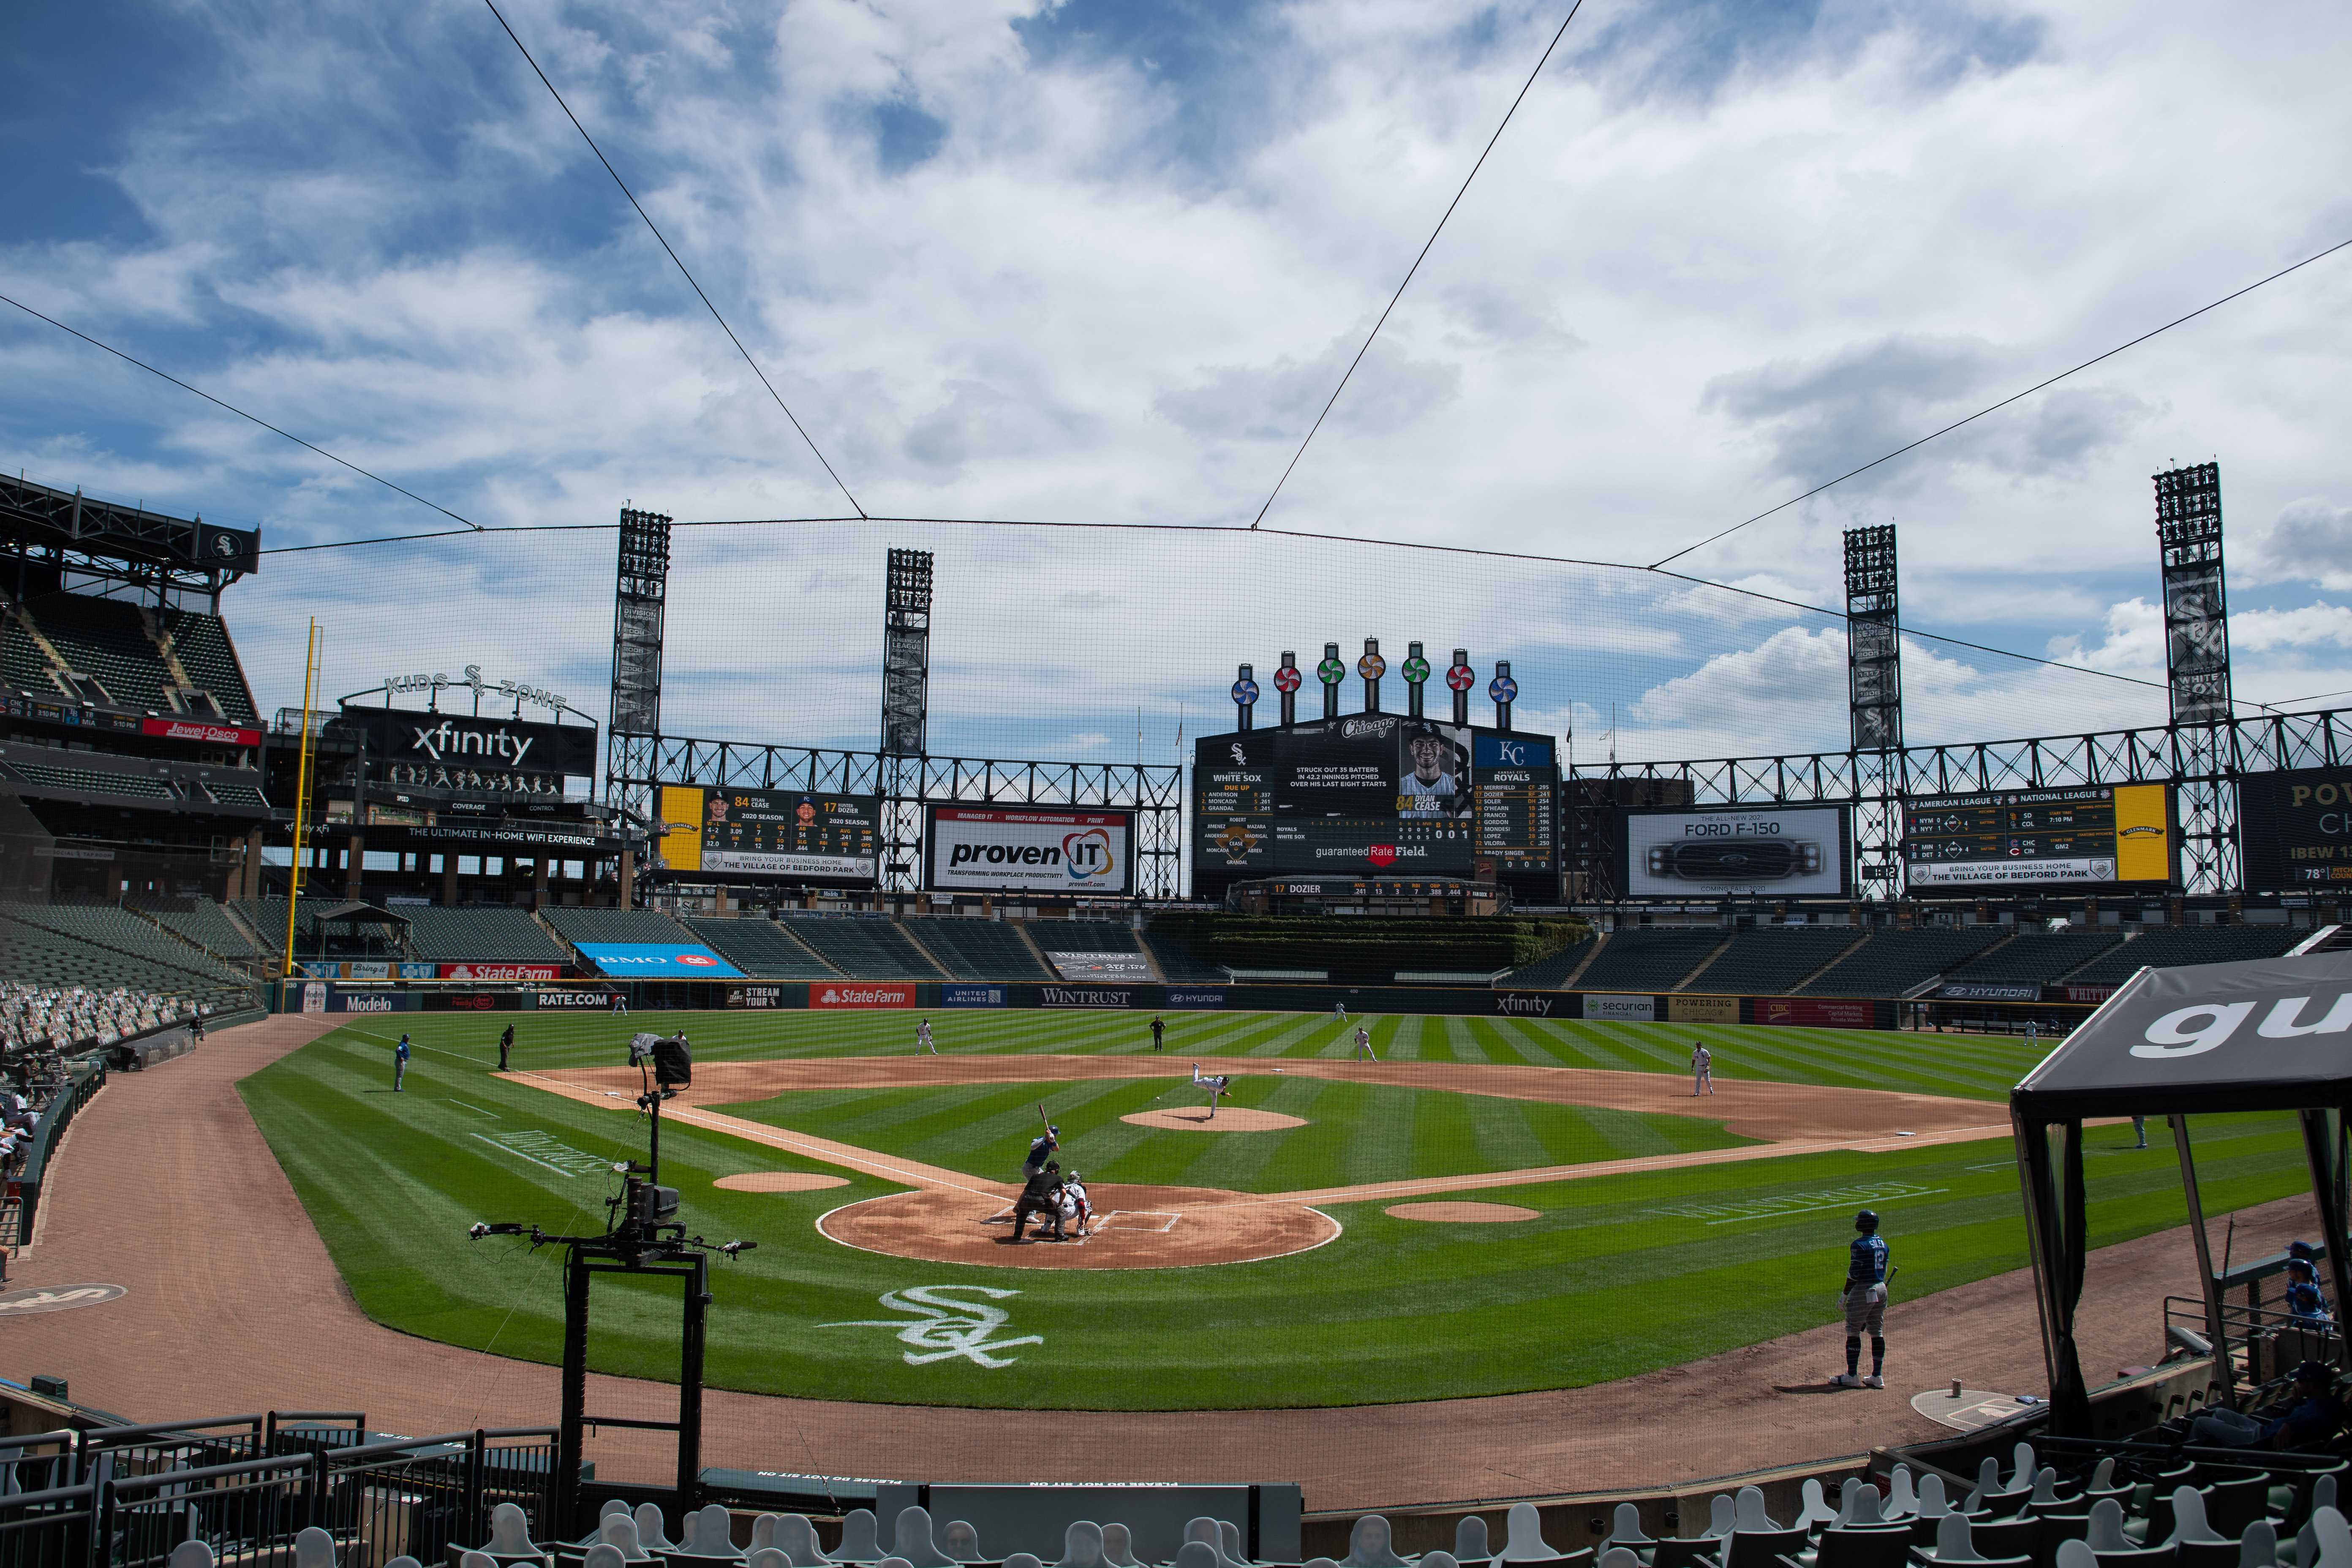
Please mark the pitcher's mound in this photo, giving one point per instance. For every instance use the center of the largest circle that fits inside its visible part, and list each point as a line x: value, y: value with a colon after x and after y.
x: 1139, y: 1227
x: 780, y: 1182
x: 1464, y: 1213
x: 1232, y: 1119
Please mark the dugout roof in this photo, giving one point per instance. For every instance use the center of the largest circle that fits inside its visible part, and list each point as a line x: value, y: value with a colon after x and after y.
x: 2273, y: 1034
x: 2268, y: 1034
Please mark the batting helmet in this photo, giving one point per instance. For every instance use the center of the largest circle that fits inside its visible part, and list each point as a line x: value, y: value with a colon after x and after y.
x: 1865, y: 1221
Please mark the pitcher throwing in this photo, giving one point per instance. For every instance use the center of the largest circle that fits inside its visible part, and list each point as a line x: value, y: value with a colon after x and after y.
x: 1215, y: 1083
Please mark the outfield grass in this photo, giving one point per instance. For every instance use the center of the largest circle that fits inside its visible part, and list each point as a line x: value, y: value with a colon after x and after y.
x: 1622, y: 1274
x: 984, y: 1130
x: 1973, y: 1066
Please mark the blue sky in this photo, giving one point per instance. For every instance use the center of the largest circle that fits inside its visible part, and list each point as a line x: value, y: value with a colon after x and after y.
x: 1102, y: 263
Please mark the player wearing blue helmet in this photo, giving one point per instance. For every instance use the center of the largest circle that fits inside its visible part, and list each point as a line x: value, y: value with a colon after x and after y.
x: 1864, y: 1298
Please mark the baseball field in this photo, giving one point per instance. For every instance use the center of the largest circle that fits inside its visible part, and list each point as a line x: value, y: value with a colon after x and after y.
x: 1496, y: 1206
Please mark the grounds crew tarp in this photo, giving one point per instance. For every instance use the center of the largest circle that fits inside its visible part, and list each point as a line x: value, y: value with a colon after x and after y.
x: 2272, y: 1035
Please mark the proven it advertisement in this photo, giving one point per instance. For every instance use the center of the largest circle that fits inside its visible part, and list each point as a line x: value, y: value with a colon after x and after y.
x: 980, y: 849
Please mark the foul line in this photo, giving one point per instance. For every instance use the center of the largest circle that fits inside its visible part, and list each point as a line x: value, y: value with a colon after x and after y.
x: 572, y: 1176
x: 1809, y: 1209
x: 830, y: 1152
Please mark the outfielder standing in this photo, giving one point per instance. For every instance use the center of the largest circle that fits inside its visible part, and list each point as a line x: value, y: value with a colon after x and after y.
x: 1363, y: 1044
x: 399, y: 1063
x: 1702, y: 1070
x: 1863, y: 1296
x: 923, y: 1036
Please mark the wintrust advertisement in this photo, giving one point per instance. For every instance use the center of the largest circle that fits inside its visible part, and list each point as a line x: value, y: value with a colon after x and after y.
x: 975, y: 850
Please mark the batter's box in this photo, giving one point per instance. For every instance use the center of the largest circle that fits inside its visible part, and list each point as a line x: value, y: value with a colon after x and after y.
x: 1110, y: 1221
x: 1001, y: 1217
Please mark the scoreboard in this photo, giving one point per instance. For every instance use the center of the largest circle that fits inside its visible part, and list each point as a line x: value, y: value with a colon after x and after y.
x: 1514, y: 795
x: 786, y: 835
x: 1377, y: 795
x: 2085, y: 837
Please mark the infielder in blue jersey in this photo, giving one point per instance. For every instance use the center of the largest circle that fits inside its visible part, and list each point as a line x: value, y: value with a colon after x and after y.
x: 1863, y: 1296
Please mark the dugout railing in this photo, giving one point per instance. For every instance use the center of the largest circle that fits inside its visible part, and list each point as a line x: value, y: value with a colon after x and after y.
x: 246, y: 1485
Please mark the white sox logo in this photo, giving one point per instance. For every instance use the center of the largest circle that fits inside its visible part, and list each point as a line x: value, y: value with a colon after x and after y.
x: 946, y: 1328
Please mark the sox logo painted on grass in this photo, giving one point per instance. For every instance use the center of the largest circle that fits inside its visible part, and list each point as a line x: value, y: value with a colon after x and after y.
x: 947, y: 1328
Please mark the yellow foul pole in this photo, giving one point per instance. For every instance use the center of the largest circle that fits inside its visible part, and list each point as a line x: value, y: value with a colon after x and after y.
x: 301, y: 796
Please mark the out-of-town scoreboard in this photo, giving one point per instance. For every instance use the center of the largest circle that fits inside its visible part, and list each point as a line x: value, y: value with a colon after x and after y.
x: 2082, y: 837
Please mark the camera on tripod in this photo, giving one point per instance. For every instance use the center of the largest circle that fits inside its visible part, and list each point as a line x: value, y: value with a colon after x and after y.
x: 672, y: 1059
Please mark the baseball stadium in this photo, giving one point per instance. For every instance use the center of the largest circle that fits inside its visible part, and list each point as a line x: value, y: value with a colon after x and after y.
x: 1518, y: 1058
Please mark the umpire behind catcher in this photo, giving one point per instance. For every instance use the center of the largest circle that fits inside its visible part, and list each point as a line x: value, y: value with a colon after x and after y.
x: 1041, y: 1195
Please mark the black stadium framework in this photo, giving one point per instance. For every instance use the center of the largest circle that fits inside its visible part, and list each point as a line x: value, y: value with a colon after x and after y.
x: 1377, y: 795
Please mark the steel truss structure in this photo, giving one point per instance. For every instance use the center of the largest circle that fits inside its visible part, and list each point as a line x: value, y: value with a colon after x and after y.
x: 2203, y: 760
x: 1154, y: 793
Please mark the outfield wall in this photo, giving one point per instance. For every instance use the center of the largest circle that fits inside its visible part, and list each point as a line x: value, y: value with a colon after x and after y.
x: 949, y: 996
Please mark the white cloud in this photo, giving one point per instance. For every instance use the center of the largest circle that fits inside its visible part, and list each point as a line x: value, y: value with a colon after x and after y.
x: 1000, y: 269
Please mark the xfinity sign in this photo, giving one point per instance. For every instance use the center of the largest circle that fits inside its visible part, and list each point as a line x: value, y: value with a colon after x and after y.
x: 473, y: 741
x: 984, y: 850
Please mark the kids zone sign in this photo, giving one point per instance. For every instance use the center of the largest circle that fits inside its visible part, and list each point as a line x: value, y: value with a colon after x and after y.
x: 657, y: 961
x: 981, y: 850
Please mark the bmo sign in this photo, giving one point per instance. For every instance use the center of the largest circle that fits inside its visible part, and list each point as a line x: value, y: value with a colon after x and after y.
x: 980, y: 849
x: 657, y: 961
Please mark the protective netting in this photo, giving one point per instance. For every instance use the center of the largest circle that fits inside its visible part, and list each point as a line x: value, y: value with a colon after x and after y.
x: 1095, y: 644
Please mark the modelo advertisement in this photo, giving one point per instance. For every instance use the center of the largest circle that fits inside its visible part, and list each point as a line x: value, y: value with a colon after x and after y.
x: 1705, y: 851
x: 980, y: 849
x: 2294, y: 829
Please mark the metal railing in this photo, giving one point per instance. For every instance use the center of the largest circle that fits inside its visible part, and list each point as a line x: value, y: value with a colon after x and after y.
x: 248, y: 1485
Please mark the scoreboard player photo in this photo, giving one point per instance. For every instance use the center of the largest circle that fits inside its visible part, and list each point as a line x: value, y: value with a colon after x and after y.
x: 1432, y: 772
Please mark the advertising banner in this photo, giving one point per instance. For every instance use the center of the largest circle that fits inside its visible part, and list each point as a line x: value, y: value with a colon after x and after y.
x: 1195, y: 997
x: 756, y: 996
x: 1709, y: 850
x: 572, y: 1001
x: 657, y: 961
x: 1621, y: 1009
x: 482, y: 971
x: 1534, y: 1004
x: 474, y: 742
x: 2294, y: 829
x: 1090, y: 997
x: 1817, y: 1012
x: 198, y: 730
x: 1703, y: 1009
x: 850, y: 995
x: 314, y: 997
x: 978, y: 849
x: 1100, y: 965
x: 1985, y: 991
x: 972, y: 997
x: 365, y: 1002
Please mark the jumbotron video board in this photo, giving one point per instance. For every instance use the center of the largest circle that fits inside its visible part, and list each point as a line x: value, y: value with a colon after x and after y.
x: 1376, y: 795
x: 1707, y: 851
x: 786, y: 836
x: 2081, y: 838
x: 2295, y: 830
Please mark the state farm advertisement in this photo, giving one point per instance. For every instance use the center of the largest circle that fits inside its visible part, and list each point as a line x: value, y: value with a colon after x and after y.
x: 502, y: 972
x: 982, y: 850
x: 854, y: 995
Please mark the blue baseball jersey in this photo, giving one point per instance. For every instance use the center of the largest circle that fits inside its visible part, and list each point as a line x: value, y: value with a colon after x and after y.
x: 1867, y: 1265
